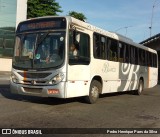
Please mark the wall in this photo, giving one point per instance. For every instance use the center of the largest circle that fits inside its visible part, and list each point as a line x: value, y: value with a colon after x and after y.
x: 11, y: 13
x: 21, y: 11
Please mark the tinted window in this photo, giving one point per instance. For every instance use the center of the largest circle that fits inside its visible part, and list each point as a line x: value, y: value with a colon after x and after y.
x: 127, y: 54
x: 154, y: 60
x: 132, y: 57
x: 79, y: 50
x: 122, y: 49
x: 112, y: 50
x: 99, y: 42
x: 136, y: 56
x: 141, y: 57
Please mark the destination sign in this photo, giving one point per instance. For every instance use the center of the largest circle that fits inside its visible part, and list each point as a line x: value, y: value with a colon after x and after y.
x: 42, y: 24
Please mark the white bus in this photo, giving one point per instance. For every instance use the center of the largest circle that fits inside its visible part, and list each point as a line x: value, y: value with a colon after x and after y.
x: 79, y: 60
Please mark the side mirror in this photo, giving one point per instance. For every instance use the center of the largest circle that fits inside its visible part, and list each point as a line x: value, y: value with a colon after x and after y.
x: 76, y: 37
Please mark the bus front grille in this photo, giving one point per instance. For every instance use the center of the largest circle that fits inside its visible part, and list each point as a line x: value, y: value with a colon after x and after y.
x: 34, y: 82
x: 34, y: 75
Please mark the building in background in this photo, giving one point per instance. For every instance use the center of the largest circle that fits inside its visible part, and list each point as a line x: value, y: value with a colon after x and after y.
x: 11, y: 13
x: 154, y: 43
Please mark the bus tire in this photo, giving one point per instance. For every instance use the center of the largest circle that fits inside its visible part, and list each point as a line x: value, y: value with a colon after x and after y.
x: 140, y: 87
x: 95, y: 89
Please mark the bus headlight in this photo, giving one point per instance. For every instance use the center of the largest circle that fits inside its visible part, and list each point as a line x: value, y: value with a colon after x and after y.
x: 56, y: 79
x: 14, y: 78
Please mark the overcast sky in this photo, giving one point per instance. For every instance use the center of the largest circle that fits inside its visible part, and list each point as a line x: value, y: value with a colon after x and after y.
x: 117, y: 15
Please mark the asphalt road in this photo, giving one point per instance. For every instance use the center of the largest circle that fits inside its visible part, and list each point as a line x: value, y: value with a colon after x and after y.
x: 120, y: 110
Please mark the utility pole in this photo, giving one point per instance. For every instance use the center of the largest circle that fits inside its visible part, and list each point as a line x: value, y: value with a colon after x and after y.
x: 153, y: 7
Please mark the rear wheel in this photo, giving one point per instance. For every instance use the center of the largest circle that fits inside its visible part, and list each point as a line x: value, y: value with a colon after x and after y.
x: 95, y: 89
x: 140, y: 87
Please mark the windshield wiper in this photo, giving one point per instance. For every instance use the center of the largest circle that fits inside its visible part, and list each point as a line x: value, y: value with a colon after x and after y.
x: 42, y: 38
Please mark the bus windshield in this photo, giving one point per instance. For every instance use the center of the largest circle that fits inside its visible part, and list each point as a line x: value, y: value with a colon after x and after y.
x: 39, y: 50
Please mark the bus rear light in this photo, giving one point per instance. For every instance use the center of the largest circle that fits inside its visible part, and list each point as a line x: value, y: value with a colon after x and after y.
x: 53, y: 91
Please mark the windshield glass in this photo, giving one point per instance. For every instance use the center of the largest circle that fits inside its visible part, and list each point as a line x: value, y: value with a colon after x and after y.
x: 39, y: 50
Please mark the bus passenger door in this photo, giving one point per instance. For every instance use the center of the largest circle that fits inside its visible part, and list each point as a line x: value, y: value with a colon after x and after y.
x: 79, y: 64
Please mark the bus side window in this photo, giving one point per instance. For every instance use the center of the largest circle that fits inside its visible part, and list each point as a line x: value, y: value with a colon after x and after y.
x: 132, y: 51
x: 136, y: 56
x: 121, y: 52
x: 99, y: 42
x: 96, y: 46
x: 103, y: 47
x: 84, y: 46
x: 154, y: 60
x: 151, y: 55
x: 127, y: 54
x: 142, y: 57
x: 112, y: 50
x: 147, y: 58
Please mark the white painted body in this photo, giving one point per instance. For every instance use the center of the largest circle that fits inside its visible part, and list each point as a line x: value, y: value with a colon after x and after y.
x: 115, y: 76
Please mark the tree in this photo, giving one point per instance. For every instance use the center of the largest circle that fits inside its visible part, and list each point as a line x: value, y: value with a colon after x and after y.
x: 77, y: 15
x: 38, y: 8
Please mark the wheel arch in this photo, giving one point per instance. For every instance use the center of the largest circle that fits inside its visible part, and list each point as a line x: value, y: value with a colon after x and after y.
x: 141, y: 78
x: 99, y: 79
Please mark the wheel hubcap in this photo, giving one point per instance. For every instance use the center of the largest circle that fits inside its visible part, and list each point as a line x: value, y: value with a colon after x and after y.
x: 140, y: 88
x: 94, y: 92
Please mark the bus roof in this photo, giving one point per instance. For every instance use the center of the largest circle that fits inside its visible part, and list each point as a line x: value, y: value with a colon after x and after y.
x: 93, y: 28
x: 113, y: 35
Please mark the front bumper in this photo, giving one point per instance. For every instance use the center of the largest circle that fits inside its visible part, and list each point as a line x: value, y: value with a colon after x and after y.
x: 57, y: 91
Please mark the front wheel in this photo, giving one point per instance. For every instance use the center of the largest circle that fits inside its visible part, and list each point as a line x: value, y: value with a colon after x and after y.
x: 95, y: 89
x: 140, y: 87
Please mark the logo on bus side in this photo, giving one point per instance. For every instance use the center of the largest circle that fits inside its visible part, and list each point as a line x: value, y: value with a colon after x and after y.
x: 106, y: 68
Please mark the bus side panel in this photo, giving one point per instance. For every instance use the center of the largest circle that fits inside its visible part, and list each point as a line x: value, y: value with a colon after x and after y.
x: 117, y: 76
x: 110, y: 74
x: 152, y: 77
x: 108, y: 71
x: 120, y: 77
x: 129, y: 75
x: 143, y: 73
x: 78, y: 82
x: 111, y: 86
x: 149, y: 75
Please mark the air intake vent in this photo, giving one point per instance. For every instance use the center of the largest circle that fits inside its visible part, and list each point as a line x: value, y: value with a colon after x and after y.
x: 34, y: 75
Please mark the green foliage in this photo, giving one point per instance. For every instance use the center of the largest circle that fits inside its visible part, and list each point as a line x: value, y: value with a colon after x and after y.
x: 77, y: 15
x: 39, y: 8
